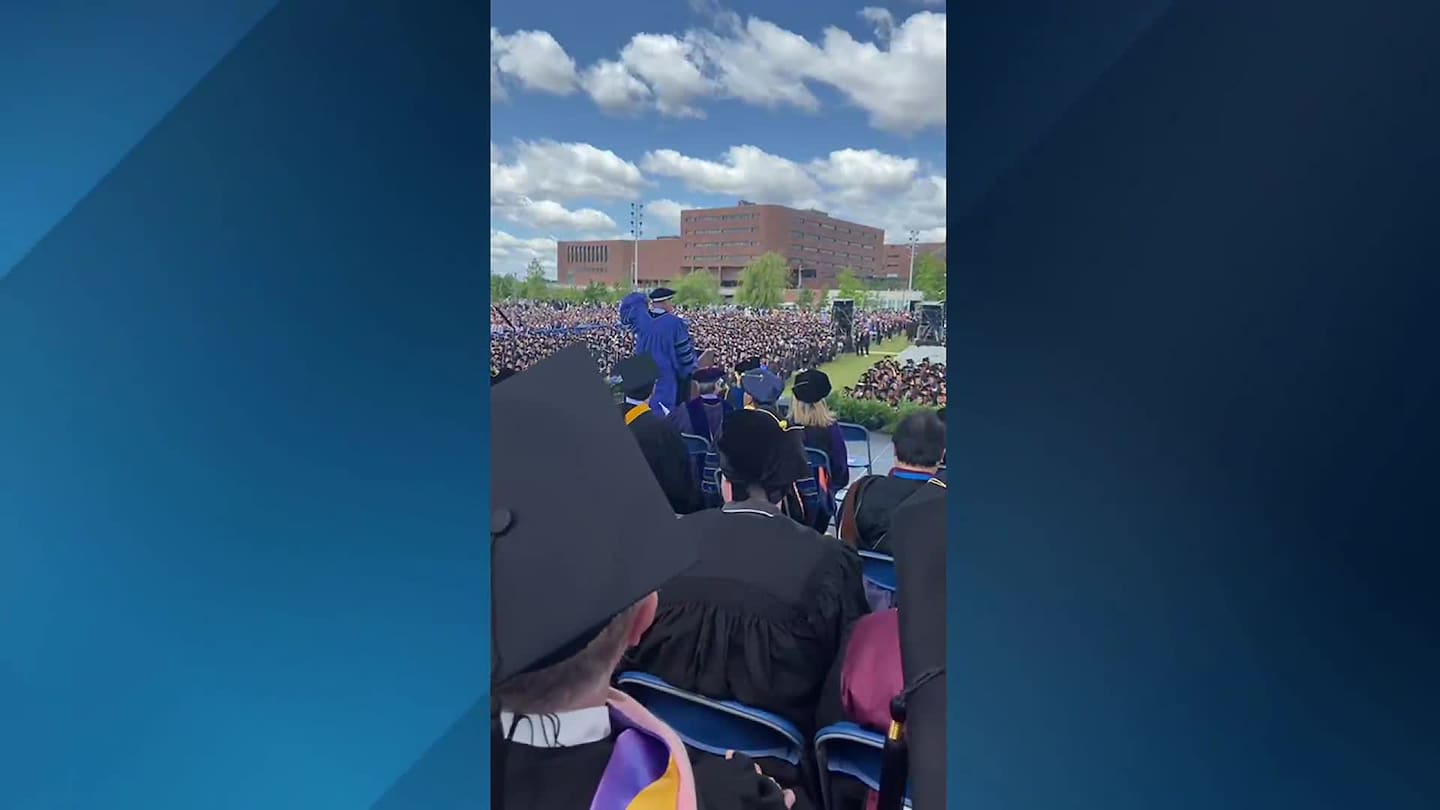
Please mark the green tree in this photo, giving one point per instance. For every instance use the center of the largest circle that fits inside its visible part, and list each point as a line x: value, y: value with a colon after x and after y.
x: 805, y: 299
x: 503, y: 287
x: 762, y: 284
x: 699, y: 288
x: 850, y: 286
x: 535, y: 287
x: 930, y: 277
x: 595, y: 293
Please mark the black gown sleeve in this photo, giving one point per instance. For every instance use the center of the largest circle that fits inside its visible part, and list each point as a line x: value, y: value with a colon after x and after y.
x: 682, y: 488
x: 831, y: 707
x: 733, y: 784
x: 669, y: 461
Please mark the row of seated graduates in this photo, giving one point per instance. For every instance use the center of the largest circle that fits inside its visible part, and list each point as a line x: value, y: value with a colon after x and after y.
x: 766, y: 615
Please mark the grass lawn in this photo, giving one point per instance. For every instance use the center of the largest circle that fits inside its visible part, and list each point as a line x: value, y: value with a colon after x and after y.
x: 847, y: 369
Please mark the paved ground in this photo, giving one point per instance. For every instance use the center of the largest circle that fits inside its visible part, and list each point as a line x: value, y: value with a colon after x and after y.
x: 883, y: 450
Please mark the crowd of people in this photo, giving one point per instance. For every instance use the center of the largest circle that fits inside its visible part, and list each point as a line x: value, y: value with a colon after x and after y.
x: 893, y: 382
x: 784, y: 340
x: 771, y: 609
x: 737, y: 592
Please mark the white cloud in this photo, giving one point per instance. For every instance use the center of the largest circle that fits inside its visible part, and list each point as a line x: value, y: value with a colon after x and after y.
x: 744, y: 171
x: 902, y: 87
x: 881, y: 18
x: 548, y: 215
x: 562, y: 172
x: 667, y: 64
x: 534, y: 181
x: 614, y: 88
x: 511, y: 255
x: 532, y: 58
x: 666, y: 214
x: 862, y: 185
x: 761, y: 64
x: 497, y: 88
x: 898, y: 78
x: 865, y: 172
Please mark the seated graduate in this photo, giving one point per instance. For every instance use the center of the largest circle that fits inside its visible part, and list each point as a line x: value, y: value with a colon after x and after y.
x: 868, y: 674
x: 760, y: 617
x: 762, y: 391
x: 658, y: 438
x: 572, y: 588
x: 822, y: 429
x: 919, y: 448
x: 703, y: 414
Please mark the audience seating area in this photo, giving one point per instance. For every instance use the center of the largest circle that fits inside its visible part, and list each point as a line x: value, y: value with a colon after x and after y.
x: 720, y: 726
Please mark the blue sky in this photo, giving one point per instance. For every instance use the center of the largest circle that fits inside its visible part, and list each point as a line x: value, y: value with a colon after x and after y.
x: 697, y: 103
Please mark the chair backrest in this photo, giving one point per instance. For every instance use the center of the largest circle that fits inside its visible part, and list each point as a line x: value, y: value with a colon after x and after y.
x: 852, y: 432
x: 879, y: 569
x: 819, y: 460
x: 715, y: 726
x: 696, y: 444
x: 710, y: 480
x: 699, y: 448
x: 849, y: 750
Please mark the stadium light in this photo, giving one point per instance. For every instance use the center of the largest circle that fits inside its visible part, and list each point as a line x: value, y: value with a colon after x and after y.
x: 637, y: 227
x: 914, y: 237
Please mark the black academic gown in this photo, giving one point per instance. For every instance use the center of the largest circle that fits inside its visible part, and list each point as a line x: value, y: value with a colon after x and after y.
x: 759, y: 619
x: 669, y: 460
x: 566, y: 779
x: 879, y: 496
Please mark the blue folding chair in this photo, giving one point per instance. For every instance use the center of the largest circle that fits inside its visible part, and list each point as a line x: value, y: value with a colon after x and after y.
x: 849, y: 750
x: 698, y: 447
x: 696, y: 444
x: 879, y: 570
x: 710, y: 490
x: 715, y: 726
x: 853, y: 433
x: 819, y: 460
x: 816, y: 497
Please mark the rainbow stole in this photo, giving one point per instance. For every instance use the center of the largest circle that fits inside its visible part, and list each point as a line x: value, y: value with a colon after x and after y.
x: 644, y: 773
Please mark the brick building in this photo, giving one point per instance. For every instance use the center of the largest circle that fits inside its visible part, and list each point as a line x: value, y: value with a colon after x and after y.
x: 897, y: 258
x: 724, y: 240
x: 609, y: 261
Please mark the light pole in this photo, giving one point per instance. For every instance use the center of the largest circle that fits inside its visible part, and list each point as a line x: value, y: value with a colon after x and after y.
x: 637, y: 227
x: 914, y: 237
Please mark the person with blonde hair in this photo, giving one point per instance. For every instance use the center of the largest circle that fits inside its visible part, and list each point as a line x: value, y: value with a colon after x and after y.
x: 822, y: 429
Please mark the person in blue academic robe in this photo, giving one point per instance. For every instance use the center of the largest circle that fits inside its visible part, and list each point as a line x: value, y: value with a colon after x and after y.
x: 666, y: 338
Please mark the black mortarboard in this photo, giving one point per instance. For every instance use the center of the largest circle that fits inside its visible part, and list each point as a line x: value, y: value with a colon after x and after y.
x: 749, y: 445
x: 917, y: 538
x: 748, y: 364
x: 711, y: 374
x: 661, y: 294
x: 811, y: 386
x: 637, y: 372
x: 567, y: 559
